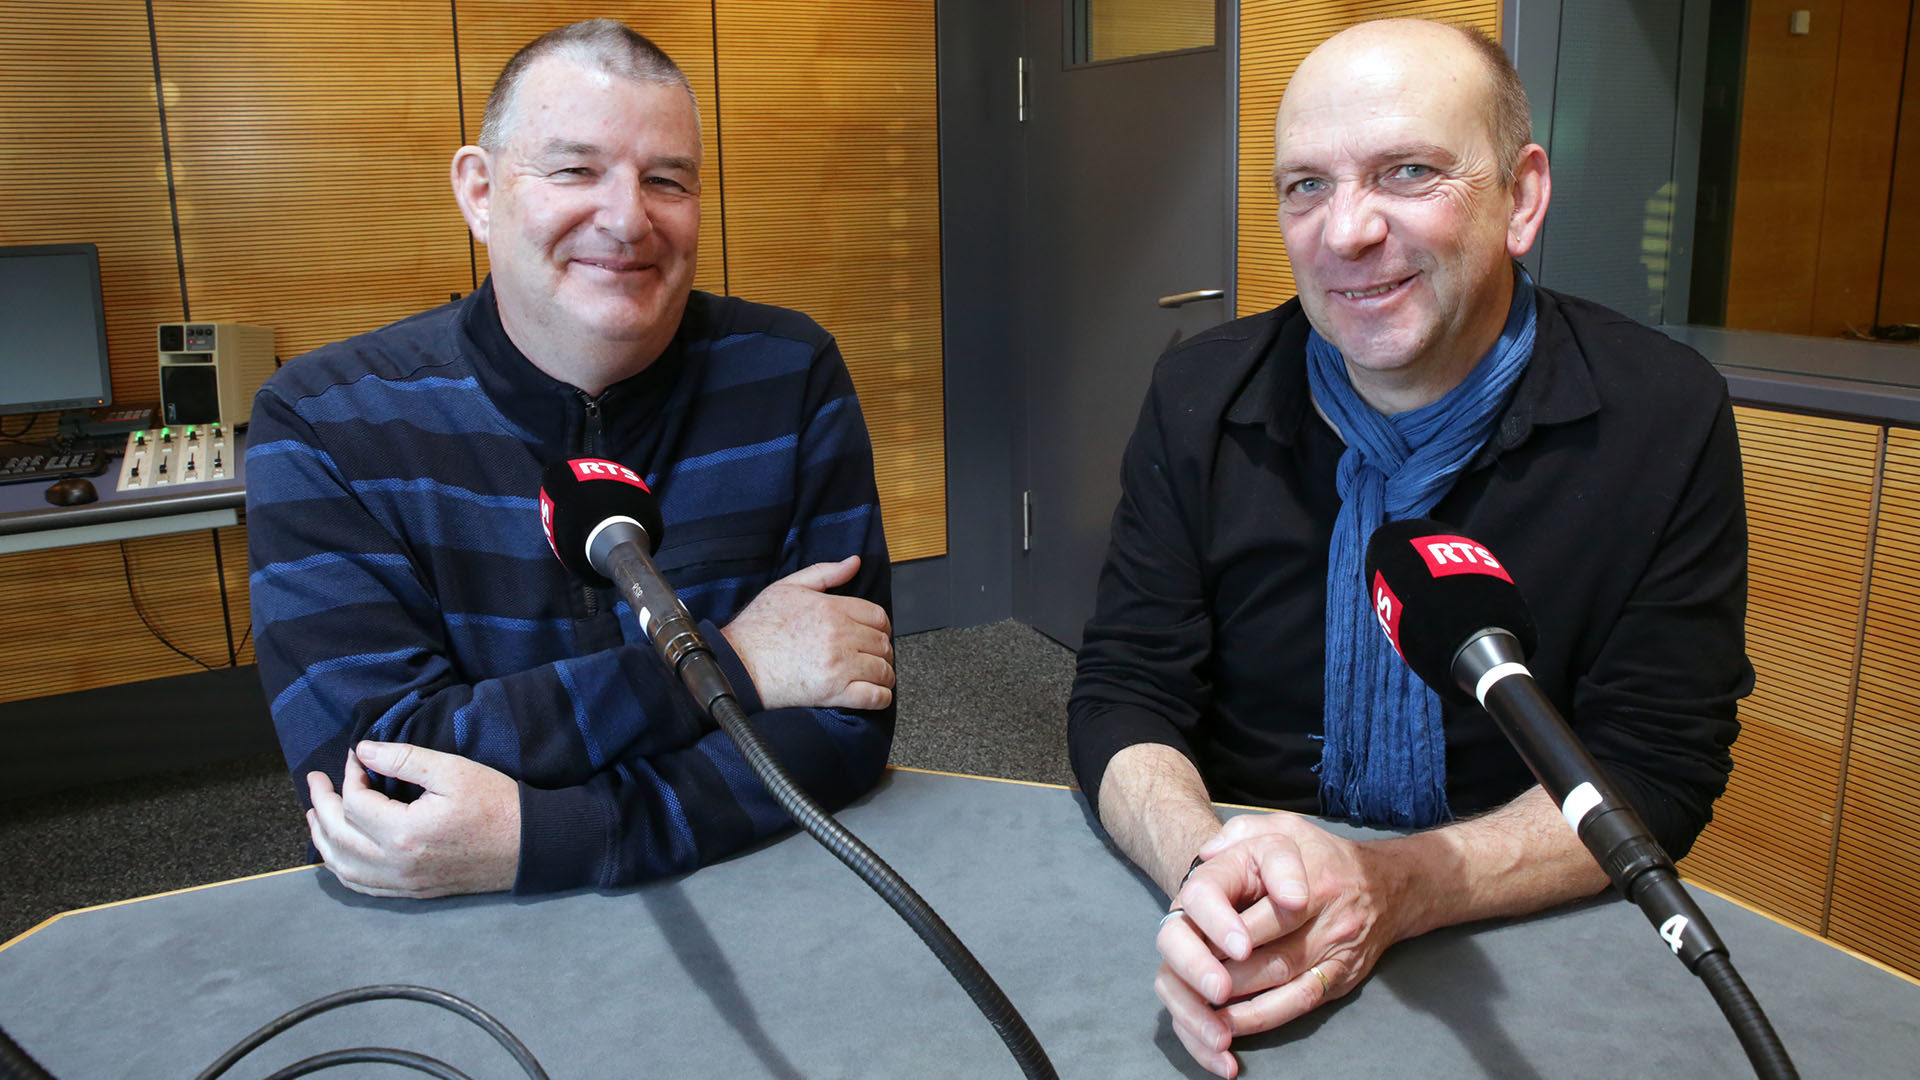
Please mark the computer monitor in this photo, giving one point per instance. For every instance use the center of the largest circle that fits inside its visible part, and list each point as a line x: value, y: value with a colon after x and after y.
x: 53, y: 329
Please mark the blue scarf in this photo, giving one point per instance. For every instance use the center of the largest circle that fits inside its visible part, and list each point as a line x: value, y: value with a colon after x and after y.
x: 1384, y: 758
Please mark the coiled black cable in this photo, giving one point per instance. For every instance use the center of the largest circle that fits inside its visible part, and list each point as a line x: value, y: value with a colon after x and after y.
x: 458, y: 1006
x: 377, y: 1055
x: 846, y: 847
x: 1750, y: 1024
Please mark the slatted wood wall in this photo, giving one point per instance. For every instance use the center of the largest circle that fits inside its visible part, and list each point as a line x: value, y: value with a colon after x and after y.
x: 1876, y: 903
x: 80, y: 161
x: 1275, y: 35
x: 1810, y: 487
x: 833, y: 207
x: 94, y: 636
x: 309, y: 144
x: 308, y: 198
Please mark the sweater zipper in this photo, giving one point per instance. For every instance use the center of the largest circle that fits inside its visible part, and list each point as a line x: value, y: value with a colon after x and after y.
x: 590, y: 446
x: 590, y: 431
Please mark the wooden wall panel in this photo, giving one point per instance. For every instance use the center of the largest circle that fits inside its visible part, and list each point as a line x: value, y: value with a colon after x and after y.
x: 70, y: 624
x: 1275, y: 35
x: 80, y: 162
x: 1809, y: 488
x: 1781, y: 174
x: 1866, y: 113
x: 833, y: 207
x: 313, y: 188
x: 1876, y: 906
x: 491, y: 31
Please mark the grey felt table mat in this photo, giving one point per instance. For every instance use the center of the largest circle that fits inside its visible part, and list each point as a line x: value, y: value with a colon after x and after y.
x: 781, y: 963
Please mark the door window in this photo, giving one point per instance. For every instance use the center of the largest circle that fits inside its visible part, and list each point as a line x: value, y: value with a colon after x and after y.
x: 1101, y: 31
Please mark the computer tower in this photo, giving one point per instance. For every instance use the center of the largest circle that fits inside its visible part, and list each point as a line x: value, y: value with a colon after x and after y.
x: 209, y: 371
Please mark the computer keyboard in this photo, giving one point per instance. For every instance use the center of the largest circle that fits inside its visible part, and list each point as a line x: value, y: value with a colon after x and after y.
x: 23, y: 464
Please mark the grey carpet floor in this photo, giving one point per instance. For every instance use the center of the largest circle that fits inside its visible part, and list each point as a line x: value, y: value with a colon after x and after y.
x: 989, y: 700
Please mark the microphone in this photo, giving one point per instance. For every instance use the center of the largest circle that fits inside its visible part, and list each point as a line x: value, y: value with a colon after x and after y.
x: 1455, y: 616
x: 603, y: 523
x: 1453, y: 613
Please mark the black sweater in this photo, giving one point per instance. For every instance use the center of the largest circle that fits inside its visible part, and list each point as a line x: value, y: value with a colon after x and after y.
x: 1611, y: 488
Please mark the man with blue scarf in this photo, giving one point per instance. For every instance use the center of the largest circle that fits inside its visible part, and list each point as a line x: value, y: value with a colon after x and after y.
x: 1232, y: 655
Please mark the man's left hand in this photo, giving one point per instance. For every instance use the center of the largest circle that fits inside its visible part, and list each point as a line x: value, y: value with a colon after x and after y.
x: 462, y: 835
x: 1280, y: 918
x: 803, y: 645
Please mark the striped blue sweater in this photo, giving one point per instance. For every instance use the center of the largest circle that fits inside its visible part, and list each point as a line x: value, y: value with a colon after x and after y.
x: 403, y: 590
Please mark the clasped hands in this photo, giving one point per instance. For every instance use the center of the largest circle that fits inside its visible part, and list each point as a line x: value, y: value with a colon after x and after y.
x: 801, y: 644
x: 1280, y: 918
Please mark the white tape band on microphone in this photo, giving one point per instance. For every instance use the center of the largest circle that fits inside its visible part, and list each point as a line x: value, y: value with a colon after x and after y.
x: 598, y: 529
x: 1579, y: 803
x: 1495, y: 674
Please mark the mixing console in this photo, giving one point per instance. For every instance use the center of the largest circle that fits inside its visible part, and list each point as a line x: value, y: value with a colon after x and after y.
x: 160, y: 456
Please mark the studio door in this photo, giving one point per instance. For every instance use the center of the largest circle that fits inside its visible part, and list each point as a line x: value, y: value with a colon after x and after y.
x: 1125, y: 210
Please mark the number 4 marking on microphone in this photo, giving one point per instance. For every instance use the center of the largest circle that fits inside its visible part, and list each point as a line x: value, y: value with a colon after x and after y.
x: 1671, y: 932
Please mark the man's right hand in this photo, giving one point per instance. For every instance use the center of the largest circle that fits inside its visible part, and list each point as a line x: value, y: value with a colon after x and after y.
x: 806, y: 647
x: 1282, y: 917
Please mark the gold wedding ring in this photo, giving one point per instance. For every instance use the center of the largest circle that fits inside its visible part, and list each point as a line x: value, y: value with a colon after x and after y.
x: 1325, y: 986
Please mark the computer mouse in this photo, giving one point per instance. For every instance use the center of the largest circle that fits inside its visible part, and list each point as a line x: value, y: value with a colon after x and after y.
x: 72, y: 491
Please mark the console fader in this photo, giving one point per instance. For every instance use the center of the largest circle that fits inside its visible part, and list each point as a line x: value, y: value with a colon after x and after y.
x: 161, y: 456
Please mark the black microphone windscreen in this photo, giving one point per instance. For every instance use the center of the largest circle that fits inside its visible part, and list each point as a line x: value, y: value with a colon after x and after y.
x: 1433, y: 590
x: 577, y: 494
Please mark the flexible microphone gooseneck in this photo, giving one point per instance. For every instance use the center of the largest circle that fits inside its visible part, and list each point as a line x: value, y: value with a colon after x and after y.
x: 604, y: 525
x: 1453, y: 613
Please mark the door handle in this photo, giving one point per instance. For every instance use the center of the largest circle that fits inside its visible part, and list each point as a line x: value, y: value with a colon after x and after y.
x: 1180, y: 298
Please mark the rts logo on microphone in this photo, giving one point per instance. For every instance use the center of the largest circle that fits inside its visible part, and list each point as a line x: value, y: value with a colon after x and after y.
x: 1386, y: 609
x: 546, y: 520
x: 1446, y: 556
x: 602, y: 469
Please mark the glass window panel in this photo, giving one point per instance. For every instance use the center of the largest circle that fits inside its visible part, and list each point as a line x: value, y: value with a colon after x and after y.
x: 1117, y: 29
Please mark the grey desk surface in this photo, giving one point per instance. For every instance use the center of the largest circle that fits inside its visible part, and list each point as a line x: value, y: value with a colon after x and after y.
x: 780, y: 963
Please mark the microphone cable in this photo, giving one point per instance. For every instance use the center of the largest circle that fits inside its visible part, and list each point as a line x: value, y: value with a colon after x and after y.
x: 603, y: 524
x: 17, y: 1064
x: 385, y: 991
x: 883, y: 879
